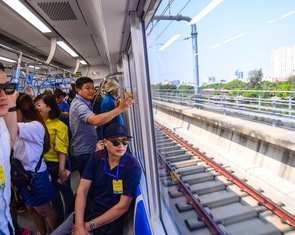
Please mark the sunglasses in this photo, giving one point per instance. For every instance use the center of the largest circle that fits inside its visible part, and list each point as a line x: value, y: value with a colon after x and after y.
x: 116, y: 143
x: 9, y: 88
x: 57, y: 96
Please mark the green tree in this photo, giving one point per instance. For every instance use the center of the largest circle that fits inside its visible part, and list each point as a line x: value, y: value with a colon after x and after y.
x: 255, y: 77
x: 215, y: 85
x: 291, y: 81
x: 186, y: 87
x: 168, y: 87
x: 235, y: 85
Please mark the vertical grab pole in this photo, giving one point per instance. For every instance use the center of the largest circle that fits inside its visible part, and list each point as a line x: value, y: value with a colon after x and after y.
x: 18, y: 70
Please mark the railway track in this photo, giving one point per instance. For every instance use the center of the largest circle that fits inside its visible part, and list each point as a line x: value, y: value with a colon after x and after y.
x: 207, y: 198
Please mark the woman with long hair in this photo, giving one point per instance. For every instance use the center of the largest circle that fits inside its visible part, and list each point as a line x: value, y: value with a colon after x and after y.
x: 56, y: 158
x: 31, y: 142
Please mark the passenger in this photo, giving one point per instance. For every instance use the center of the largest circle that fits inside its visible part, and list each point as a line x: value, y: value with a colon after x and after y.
x: 109, y: 103
x: 95, y: 103
x: 83, y: 122
x: 31, y: 142
x: 56, y: 158
x: 11, y: 119
x: 113, y: 175
x: 29, y: 91
x: 7, y: 138
x: 102, y: 88
x: 70, y: 97
x: 47, y: 91
x: 64, y: 109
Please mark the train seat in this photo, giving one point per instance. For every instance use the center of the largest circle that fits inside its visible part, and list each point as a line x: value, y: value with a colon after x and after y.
x: 141, y: 219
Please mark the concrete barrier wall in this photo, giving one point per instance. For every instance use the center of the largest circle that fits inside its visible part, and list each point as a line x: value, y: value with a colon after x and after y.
x: 250, y: 147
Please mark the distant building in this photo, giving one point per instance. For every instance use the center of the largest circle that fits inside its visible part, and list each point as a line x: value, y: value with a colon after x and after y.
x: 175, y: 82
x: 282, y: 63
x: 239, y: 74
x: 211, y: 79
x: 166, y: 82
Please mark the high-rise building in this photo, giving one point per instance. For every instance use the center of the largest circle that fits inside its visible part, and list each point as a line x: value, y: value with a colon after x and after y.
x: 239, y: 74
x: 282, y: 63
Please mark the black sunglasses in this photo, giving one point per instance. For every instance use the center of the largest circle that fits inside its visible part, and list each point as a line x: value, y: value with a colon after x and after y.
x: 116, y: 143
x: 9, y: 88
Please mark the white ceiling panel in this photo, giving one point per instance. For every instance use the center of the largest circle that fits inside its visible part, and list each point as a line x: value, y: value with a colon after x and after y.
x: 93, y: 28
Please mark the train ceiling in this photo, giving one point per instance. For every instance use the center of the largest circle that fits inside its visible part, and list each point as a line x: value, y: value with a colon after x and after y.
x: 95, y: 29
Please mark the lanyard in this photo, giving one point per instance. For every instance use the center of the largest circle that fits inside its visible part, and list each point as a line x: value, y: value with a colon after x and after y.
x: 84, y: 102
x: 109, y: 174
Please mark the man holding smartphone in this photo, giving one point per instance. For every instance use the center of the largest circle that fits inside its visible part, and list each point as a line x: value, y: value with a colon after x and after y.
x: 83, y: 122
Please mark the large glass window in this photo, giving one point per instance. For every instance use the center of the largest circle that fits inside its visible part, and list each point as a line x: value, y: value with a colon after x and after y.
x: 234, y: 38
x: 136, y: 120
x: 193, y: 43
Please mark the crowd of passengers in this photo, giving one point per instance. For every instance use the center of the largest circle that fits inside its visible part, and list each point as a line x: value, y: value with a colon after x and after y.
x: 83, y: 131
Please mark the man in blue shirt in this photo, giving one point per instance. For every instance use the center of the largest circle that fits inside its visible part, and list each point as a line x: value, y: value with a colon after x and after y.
x: 83, y: 122
x: 109, y: 102
x: 112, y: 175
x: 64, y: 109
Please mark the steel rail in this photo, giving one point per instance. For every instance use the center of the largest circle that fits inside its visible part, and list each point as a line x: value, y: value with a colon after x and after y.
x: 285, y: 216
x: 203, y: 215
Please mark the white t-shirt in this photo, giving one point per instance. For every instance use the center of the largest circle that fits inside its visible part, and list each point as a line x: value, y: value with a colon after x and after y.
x: 28, y: 146
x: 5, y: 190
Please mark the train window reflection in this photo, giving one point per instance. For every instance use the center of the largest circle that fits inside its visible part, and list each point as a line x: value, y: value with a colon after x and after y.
x: 188, y: 48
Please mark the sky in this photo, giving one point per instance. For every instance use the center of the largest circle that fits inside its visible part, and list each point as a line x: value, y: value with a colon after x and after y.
x: 236, y: 35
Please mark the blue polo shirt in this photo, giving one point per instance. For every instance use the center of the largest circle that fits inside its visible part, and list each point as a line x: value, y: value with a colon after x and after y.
x: 108, y: 104
x: 102, y: 183
x: 84, y: 135
x: 64, y: 107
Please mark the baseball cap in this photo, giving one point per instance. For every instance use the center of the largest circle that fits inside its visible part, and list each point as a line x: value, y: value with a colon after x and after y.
x: 116, y: 130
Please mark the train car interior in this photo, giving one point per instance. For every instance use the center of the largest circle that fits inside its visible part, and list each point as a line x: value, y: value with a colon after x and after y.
x: 50, y: 43
x: 97, y: 36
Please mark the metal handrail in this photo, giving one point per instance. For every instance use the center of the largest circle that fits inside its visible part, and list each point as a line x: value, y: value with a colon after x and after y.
x: 273, y: 106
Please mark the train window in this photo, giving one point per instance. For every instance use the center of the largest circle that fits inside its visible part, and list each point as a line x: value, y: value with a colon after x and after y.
x: 193, y: 43
x: 135, y: 122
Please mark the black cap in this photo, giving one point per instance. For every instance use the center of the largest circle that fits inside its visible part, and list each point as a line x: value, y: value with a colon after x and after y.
x: 116, y: 130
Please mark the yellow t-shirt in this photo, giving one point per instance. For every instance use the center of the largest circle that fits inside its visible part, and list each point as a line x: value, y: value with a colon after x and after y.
x: 59, y: 140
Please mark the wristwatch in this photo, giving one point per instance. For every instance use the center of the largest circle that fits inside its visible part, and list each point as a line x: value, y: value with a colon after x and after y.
x: 92, y: 225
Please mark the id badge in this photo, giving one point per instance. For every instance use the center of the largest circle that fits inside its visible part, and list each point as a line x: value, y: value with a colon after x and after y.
x: 2, y: 177
x: 117, y: 186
